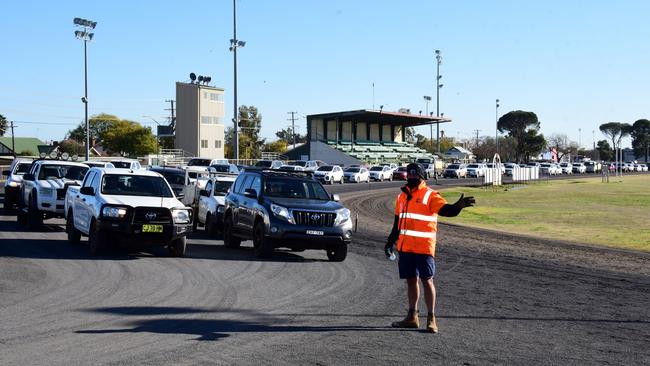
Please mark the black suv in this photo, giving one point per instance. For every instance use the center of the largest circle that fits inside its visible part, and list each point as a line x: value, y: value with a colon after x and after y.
x: 281, y: 209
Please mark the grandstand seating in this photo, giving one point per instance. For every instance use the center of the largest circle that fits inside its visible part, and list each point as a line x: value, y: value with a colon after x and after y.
x: 375, y: 151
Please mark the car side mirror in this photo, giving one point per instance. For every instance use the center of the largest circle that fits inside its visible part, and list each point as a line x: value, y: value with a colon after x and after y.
x: 250, y: 193
x: 87, y: 191
x: 5, y: 172
x: 204, y: 193
x: 336, y: 197
x: 28, y: 176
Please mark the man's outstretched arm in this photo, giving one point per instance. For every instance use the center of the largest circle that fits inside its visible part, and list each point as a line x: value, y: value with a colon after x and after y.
x: 453, y: 210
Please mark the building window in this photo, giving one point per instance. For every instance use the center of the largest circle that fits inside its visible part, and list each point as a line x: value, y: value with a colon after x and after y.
x: 208, y: 120
x: 216, y: 97
x: 217, y: 144
x: 204, y: 144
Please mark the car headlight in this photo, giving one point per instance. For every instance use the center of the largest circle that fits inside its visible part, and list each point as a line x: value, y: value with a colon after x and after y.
x: 181, y: 216
x: 114, y: 212
x: 12, y: 184
x: 342, y: 216
x: 282, y: 212
x: 46, y: 191
x: 221, y: 209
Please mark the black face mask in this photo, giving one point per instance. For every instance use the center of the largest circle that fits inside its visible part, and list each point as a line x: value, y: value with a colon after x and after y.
x: 413, y: 182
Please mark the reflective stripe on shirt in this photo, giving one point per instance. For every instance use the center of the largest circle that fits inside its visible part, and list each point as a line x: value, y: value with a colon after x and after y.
x: 419, y: 217
x: 418, y: 234
x: 425, y: 200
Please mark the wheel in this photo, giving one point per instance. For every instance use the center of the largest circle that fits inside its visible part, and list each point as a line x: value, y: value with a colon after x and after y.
x: 21, y: 217
x: 74, y: 235
x: 210, y: 226
x: 96, y: 242
x: 34, y: 217
x: 337, y: 253
x: 381, y: 179
x: 230, y: 240
x: 341, y: 181
x: 368, y: 180
x: 390, y: 179
x: 262, y: 246
x: 177, y: 247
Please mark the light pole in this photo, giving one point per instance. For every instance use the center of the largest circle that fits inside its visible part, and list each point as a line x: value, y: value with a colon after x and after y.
x: 427, y: 99
x: 234, y: 44
x: 438, y: 86
x: 86, y: 36
x: 496, y: 134
x: 579, y: 138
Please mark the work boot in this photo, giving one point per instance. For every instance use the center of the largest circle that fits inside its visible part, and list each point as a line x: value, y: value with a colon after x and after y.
x: 411, y: 321
x: 432, y: 327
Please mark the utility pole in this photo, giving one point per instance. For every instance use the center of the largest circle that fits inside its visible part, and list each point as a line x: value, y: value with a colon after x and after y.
x: 496, y: 135
x: 477, y: 131
x: 293, y: 127
x: 13, y: 141
x: 438, y: 86
x: 172, y: 118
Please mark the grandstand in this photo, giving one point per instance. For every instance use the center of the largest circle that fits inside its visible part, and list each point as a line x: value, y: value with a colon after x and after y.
x: 361, y: 136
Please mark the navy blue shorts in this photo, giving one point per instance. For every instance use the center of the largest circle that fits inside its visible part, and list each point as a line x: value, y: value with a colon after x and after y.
x: 413, y: 265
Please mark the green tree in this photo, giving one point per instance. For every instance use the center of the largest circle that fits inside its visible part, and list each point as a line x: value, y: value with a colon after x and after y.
x: 640, y: 133
x: 97, y: 125
x: 517, y: 124
x: 250, y: 122
x: 129, y: 138
x: 3, y: 125
x: 604, y: 150
x: 534, y: 144
x: 287, y: 135
x: 72, y: 147
x: 615, y: 131
x: 279, y: 146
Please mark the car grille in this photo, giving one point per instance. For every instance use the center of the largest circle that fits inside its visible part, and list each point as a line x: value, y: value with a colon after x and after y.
x: 145, y: 215
x: 60, y: 193
x: 314, y: 219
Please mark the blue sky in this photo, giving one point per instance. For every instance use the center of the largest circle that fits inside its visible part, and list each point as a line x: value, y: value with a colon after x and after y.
x: 577, y: 64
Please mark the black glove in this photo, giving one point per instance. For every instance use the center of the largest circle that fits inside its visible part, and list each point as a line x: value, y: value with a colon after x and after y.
x: 465, y: 201
x: 388, y: 248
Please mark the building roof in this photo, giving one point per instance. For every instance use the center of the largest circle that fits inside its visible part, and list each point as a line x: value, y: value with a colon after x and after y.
x: 459, y: 149
x: 370, y: 115
x: 22, y: 144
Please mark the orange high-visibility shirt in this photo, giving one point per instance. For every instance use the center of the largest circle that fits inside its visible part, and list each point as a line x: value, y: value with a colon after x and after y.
x: 418, y: 220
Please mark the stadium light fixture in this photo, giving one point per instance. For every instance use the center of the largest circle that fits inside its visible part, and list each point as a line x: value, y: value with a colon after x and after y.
x: 85, y: 36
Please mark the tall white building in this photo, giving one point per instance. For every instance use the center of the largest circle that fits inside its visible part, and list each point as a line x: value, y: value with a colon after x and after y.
x: 199, y: 120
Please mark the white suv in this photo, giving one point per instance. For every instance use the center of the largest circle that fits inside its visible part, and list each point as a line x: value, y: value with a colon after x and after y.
x: 329, y: 174
x: 381, y: 173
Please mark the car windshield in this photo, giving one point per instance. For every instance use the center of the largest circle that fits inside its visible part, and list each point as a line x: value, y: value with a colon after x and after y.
x: 264, y: 163
x: 453, y: 166
x: 326, y: 168
x: 473, y: 166
x: 295, y: 188
x: 221, y: 188
x: 22, y: 169
x: 199, y: 162
x: 352, y: 170
x: 401, y: 169
x: 135, y: 185
x: 122, y: 164
x: 298, y: 163
x: 62, y: 171
x: 221, y: 168
x: 376, y: 168
x: 174, y: 178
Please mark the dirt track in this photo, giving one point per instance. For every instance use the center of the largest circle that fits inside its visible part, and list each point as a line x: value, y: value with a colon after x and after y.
x: 501, y: 300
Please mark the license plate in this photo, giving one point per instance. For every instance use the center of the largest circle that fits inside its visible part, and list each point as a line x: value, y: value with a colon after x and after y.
x: 152, y: 228
x: 314, y: 232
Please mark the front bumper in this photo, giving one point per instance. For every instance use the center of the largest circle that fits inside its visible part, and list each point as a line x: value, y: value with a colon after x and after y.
x: 284, y: 234
x: 128, y: 234
x: 11, y: 194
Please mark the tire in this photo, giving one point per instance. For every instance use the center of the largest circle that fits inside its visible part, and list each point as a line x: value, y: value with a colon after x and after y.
x: 210, y: 227
x: 177, y: 247
x: 34, y: 217
x: 337, y: 253
x: 21, y: 217
x: 74, y: 235
x: 96, y: 242
x: 368, y: 180
x: 262, y: 246
x: 341, y: 181
x: 229, y: 240
x: 390, y: 179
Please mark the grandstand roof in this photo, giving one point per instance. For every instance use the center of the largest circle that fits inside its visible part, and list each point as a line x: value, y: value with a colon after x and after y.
x: 374, y: 116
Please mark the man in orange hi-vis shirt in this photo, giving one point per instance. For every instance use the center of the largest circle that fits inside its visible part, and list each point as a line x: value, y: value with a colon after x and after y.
x: 414, y: 231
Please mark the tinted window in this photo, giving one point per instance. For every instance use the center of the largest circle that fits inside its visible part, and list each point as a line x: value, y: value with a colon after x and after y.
x: 352, y: 170
x: 299, y: 163
x: 135, y: 185
x: 326, y: 168
x: 221, y: 168
x: 257, y: 184
x: 376, y: 168
x: 245, y: 184
x: 199, y: 162
x: 88, y: 181
x: 453, y: 166
x: 294, y: 188
x: 263, y: 163
x: 173, y: 177
x: 22, y: 168
x: 221, y: 188
x: 208, y: 186
x: 122, y: 164
x: 51, y: 171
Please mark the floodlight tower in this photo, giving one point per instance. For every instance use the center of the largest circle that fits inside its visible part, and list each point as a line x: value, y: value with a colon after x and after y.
x: 427, y: 99
x: 234, y: 44
x: 86, y: 36
x: 438, y: 86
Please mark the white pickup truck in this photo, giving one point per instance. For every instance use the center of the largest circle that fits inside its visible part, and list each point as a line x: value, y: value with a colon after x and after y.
x: 212, y: 203
x: 129, y: 208
x: 43, y: 190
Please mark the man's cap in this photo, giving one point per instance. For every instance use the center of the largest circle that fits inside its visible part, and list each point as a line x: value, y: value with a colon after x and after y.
x: 415, y: 169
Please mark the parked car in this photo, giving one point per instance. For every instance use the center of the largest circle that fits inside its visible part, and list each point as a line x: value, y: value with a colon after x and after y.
x: 212, y: 203
x: 381, y: 173
x: 644, y: 167
x: 224, y: 168
x: 14, y: 174
x: 206, y: 162
x: 356, y: 174
x: 567, y: 168
x: 400, y: 173
x: 269, y: 164
x: 277, y: 209
x: 548, y: 168
x: 476, y: 170
x: 329, y: 174
x: 579, y: 168
x: 43, y: 190
x: 176, y: 177
x: 592, y: 166
x: 501, y: 167
x: 292, y: 168
x: 98, y: 164
x: 510, y: 168
x: 132, y: 164
x: 127, y: 208
x: 455, y: 171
